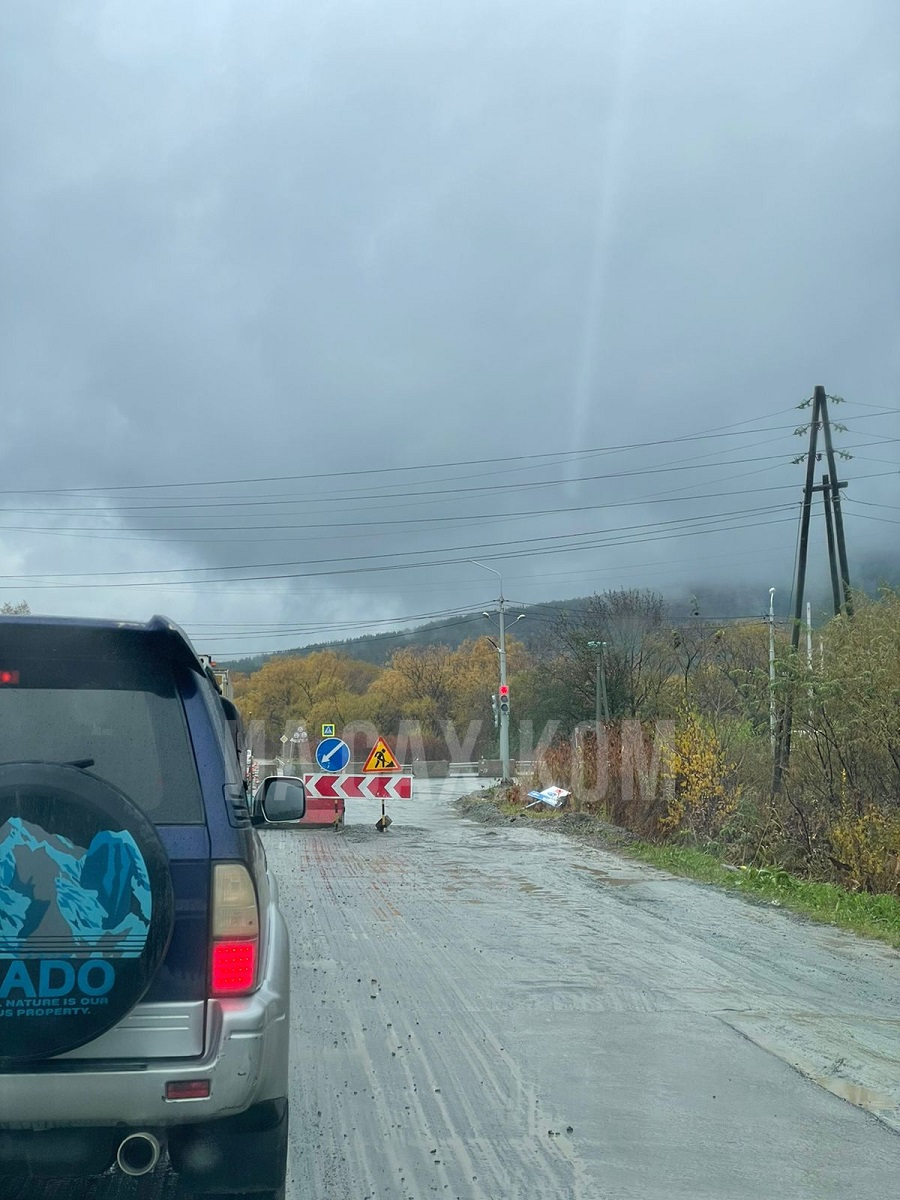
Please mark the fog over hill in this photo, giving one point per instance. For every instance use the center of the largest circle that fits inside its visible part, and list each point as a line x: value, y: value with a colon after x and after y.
x: 711, y: 601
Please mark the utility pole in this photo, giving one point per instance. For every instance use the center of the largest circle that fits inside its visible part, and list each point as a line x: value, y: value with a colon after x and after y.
x: 600, y: 685
x: 809, y: 657
x: 772, y: 722
x: 836, y: 486
x: 783, y: 750
x: 503, y: 692
x: 829, y: 534
x: 831, y: 489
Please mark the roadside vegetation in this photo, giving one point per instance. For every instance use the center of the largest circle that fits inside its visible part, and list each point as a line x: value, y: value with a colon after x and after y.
x: 876, y: 916
x: 692, y: 768
x: 685, y: 760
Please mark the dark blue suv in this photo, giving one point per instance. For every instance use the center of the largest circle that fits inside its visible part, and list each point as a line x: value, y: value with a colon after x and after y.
x: 144, y: 962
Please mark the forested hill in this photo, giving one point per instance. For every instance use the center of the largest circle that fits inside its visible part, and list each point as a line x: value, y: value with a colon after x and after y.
x: 713, y: 602
x: 377, y: 648
x: 710, y: 600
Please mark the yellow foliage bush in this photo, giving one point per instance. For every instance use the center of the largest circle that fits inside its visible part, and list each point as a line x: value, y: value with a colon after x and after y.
x: 700, y: 798
x: 867, y: 845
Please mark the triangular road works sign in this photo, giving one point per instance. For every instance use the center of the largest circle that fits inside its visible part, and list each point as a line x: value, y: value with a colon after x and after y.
x: 381, y: 758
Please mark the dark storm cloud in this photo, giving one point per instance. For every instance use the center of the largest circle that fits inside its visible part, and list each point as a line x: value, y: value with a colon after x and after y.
x: 269, y: 239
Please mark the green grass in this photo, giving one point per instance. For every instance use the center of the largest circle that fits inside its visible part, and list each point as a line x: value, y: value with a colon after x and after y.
x: 862, y: 913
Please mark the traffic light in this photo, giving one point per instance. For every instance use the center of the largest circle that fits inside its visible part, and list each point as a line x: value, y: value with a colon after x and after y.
x: 503, y: 693
x: 493, y: 707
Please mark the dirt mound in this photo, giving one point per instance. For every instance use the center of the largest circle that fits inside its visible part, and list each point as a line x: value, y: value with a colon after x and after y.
x: 478, y: 806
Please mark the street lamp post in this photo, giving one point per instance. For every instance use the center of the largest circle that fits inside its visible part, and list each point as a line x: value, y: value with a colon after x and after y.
x: 504, y: 707
x: 773, y: 725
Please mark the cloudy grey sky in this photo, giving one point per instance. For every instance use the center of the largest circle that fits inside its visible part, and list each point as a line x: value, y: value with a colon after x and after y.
x: 383, y: 285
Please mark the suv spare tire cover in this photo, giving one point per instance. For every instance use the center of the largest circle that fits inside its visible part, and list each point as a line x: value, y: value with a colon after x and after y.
x: 86, y: 908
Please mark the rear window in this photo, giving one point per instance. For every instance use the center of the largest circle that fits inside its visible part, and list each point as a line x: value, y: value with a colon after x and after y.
x: 127, y: 716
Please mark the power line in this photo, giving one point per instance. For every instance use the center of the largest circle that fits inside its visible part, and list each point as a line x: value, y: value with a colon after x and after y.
x: 871, y: 517
x: 388, y: 637
x: 495, y: 555
x: 94, y: 532
x: 424, y: 497
x: 257, y: 629
x: 862, y: 404
x: 567, y: 455
x: 431, y: 492
x: 720, y: 431
x: 582, y: 576
x: 716, y: 432
x: 699, y: 520
x: 871, y: 503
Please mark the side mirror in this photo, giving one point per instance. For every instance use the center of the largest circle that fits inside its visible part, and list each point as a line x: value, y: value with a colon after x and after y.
x: 280, y: 798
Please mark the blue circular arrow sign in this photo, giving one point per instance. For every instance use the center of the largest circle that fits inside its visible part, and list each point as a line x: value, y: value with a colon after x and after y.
x: 332, y: 754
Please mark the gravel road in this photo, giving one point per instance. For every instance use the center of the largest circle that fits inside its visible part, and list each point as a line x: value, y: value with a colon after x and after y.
x: 494, y: 1013
x: 501, y: 1012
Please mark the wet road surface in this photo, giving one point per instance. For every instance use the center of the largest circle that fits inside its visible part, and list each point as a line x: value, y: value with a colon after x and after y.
x: 494, y: 1013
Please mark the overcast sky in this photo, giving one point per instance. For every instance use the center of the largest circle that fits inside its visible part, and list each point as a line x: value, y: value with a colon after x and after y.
x: 289, y: 243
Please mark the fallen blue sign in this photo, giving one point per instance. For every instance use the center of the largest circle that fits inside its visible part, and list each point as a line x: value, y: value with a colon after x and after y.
x: 553, y: 797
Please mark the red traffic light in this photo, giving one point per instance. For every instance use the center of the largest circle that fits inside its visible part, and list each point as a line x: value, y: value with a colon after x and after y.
x: 503, y: 689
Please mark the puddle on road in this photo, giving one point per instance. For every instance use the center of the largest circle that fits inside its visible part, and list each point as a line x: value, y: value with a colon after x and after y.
x: 604, y: 877
x: 855, y: 1093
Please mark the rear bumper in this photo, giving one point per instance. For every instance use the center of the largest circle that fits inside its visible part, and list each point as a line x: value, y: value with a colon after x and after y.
x: 244, y: 1153
x: 245, y: 1062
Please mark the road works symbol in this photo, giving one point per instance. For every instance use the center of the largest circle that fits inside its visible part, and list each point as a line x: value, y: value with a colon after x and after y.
x: 381, y: 758
x: 332, y: 754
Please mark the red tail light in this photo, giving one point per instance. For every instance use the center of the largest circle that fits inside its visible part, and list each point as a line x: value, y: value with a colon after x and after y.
x: 233, y: 968
x: 235, y: 931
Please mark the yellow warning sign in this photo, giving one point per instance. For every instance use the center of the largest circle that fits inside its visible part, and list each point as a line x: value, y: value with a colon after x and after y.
x: 381, y: 758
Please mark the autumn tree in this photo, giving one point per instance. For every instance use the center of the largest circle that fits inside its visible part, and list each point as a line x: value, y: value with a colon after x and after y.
x: 416, y: 685
x: 324, y: 686
x: 731, y: 681
x: 848, y: 711
x: 638, y: 656
x: 434, y: 685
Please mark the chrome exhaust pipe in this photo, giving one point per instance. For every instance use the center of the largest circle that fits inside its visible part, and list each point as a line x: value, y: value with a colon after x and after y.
x: 138, y: 1154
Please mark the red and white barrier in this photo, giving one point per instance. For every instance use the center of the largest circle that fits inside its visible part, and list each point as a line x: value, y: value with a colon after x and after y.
x: 356, y: 787
x: 322, y: 810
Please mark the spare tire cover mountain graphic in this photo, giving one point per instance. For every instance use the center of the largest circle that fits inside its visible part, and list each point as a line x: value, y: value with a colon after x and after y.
x: 86, y: 908
x: 61, y: 898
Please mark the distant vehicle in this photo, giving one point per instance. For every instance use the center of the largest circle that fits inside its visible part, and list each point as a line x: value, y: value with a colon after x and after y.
x: 144, y: 973
x: 220, y: 675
